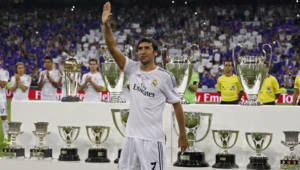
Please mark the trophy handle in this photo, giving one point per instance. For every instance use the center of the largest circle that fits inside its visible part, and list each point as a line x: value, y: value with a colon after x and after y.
x: 247, y: 139
x: 266, y: 53
x: 235, y: 140
x: 214, y: 137
x: 234, y: 58
x: 208, y: 128
x: 271, y: 136
x: 107, y: 134
x: 113, y: 111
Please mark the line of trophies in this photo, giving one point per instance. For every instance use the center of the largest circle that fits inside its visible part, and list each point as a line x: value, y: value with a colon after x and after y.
x: 225, y: 139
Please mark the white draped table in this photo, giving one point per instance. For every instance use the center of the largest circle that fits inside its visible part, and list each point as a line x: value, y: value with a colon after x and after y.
x: 274, y: 119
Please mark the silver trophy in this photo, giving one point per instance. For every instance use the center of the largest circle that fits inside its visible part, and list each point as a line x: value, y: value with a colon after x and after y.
x: 113, y: 77
x: 290, y: 161
x: 225, y: 160
x: 191, y: 157
x: 251, y: 71
x: 96, y: 135
x: 120, y: 117
x: 14, y: 150
x: 259, y: 142
x: 41, y: 151
x: 69, y: 134
x: 72, y: 73
x: 182, y: 69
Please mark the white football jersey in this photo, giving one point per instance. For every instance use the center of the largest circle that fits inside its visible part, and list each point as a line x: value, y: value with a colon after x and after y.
x: 91, y: 94
x: 4, y: 76
x: 149, y: 92
x: 19, y: 94
x: 49, y: 92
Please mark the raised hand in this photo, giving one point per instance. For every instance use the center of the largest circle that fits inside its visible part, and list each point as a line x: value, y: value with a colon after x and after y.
x: 106, y: 13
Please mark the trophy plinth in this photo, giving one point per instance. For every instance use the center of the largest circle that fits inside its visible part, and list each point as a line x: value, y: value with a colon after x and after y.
x: 40, y: 153
x: 116, y: 161
x: 72, y: 73
x: 97, y: 155
x: 291, y: 141
x: 258, y: 163
x: 70, y: 99
x: 225, y: 161
x: 69, y: 134
x: 14, y: 150
x: 95, y: 135
x: 191, y: 159
x: 68, y: 154
x: 259, y: 142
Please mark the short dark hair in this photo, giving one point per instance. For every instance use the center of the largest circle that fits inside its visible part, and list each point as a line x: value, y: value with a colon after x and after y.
x: 228, y: 60
x: 93, y: 59
x: 48, y: 58
x: 148, y: 40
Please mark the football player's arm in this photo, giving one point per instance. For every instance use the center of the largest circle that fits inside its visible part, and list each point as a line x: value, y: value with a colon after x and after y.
x: 97, y: 87
x: 219, y: 86
x: 13, y: 85
x: 295, y: 97
x: 109, y: 38
x: 182, y: 140
x: 84, y: 83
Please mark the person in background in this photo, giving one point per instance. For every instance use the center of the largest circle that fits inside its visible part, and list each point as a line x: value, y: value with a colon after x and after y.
x: 296, y: 90
x: 269, y: 91
x: 4, y: 76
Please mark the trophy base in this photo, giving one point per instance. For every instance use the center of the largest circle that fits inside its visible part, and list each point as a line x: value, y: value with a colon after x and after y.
x: 251, y: 103
x: 258, y: 163
x: 119, y: 155
x: 40, y: 153
x: 289, y: 164
x: 13, y: 152
x: 97, y: 155
x: 68, y: 154
x: 191, y: 159
x: 70, y: 99
x: 225, y: 161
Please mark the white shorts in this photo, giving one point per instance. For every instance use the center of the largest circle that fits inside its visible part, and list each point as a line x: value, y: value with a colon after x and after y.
x: 140, y: 154
x: 3, y: 110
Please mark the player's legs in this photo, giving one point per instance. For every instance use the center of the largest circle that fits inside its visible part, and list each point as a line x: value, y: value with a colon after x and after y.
x: 129, y: 159
x: 151, y: 154
x: 3, y: 115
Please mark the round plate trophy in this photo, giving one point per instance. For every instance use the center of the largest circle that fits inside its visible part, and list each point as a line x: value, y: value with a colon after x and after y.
x: 121, y: 122
x: 113, y: 77
x: 95, y: 135
x: 41, y: 151
x: 290, y: 161
x: 14, y: 150
x: 72, y: 74
x: 69, y: 134
x: 225, y: 160
x: 259, y: 143
x: 191, y: 157
x: 251, y: 71
x: 182, y: 69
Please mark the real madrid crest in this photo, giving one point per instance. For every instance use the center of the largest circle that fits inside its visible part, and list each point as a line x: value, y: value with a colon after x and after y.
x: 154, y: 83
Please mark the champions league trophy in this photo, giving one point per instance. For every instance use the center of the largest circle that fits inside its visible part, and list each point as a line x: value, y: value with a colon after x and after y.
x: 251, y: 71
x: 113, y: 77
x: 95, y: 135
x: 41, y: 151
x: 72, y: 77
x: 191, y: 157
x: 182, y: 69
x: 124, y: 113
x: 225, y: 160
x: 14, y: 150
x: 290, y: 161
x: 69, y: 134
x: 259, y: 143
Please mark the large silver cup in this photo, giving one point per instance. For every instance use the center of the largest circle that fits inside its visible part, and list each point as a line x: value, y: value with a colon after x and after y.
x: 14, y: 150
x: 259, y: 142
x: 290, y: 161
x: 96, y: 135
x: 251, y: 71
x: 113, y: 77
x: 41, y: 151
x: 120, y: 117
x: 182, y: 69
x: 191, y: 157
x: 68, y: 134
x: 72, y: 74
